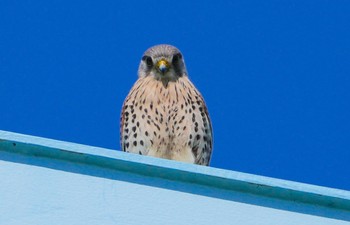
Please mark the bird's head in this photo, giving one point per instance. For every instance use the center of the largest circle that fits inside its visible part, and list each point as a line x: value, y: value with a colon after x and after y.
x: 163, y: 62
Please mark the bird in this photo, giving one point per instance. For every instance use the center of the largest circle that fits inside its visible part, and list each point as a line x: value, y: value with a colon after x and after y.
x: 164, y: 115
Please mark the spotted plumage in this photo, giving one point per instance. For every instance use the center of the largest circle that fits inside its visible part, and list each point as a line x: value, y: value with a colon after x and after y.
x: 164, y: 115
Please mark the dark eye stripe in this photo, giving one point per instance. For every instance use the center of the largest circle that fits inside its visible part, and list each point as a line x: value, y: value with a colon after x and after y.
x: 148, y: 60
x: 176, y: 58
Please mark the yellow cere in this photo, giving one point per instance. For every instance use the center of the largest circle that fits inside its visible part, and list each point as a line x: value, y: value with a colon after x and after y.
x: 163, y: 63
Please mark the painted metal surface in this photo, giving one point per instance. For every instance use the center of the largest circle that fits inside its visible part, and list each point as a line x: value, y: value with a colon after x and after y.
x: 47, y: 181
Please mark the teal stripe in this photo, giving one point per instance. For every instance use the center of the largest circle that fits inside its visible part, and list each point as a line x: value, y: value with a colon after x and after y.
x: 172, y: 170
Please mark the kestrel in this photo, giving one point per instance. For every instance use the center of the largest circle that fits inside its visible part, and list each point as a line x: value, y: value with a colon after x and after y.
x: 164, y: 115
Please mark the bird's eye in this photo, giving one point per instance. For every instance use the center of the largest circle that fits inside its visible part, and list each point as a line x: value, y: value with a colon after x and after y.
x: 148, y: 60
x: 176, y: 58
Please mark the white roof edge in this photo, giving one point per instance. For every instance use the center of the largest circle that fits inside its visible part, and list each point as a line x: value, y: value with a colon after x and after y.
x: 172, y: 170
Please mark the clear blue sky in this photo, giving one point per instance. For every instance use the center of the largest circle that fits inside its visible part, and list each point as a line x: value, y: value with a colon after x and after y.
x: 275, y: 76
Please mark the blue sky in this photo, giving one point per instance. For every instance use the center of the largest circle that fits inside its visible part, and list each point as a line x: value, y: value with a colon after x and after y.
x: 275, y: 76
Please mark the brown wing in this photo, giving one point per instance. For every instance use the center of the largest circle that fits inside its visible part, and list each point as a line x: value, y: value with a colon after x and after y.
x: 132, y: 133
x: 202, y: 134
x: 121, y: 129
x: 203, y: 140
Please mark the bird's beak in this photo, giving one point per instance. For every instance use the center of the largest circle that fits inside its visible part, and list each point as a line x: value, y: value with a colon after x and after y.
x: 163, y: 66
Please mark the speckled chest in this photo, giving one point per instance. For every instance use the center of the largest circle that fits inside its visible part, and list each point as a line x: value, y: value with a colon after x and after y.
x: 167, y: 118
